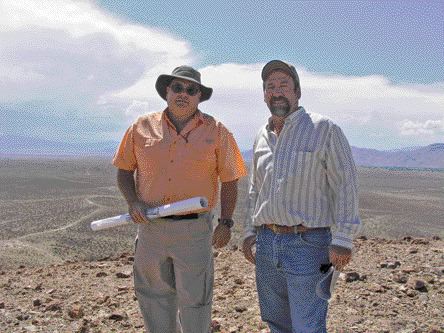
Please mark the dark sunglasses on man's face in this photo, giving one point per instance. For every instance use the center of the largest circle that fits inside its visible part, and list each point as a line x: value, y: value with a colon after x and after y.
x: 179, y: 88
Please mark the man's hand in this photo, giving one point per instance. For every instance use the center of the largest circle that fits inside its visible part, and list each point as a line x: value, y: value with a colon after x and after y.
x: 247, y: 249
x: 221, y: 236
x: 340, y: 256
x: 137, y: 211
x: 136, y: 208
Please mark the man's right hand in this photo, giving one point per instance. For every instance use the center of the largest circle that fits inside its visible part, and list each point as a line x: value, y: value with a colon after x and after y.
x: 137, y: 212
x: 247, y: 249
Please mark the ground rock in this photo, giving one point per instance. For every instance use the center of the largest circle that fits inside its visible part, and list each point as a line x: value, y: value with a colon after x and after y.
x: 118, y: 316
x: 53, y: 306
x: 75, y: 312
x: 352, y: 276
x: 123, y: 275
x: 381, y: 302
x: 419, y: 285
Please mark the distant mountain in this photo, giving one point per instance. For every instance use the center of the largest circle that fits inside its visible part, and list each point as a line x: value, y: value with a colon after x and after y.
x: 431, y: 156
x: 14, y: 145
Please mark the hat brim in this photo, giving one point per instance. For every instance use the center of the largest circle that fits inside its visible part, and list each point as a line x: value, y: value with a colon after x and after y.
x: 164, y: 80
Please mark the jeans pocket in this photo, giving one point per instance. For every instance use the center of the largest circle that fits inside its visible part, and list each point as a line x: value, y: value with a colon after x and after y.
x: 316, y: 238
x: 326, y: 285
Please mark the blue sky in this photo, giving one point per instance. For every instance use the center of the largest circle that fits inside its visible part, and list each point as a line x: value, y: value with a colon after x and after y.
x: 84, y: 70
x: 404, y: 40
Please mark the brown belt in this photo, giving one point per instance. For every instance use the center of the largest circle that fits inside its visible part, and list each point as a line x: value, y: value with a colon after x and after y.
x: 284, y: 229
x: 191, y: 216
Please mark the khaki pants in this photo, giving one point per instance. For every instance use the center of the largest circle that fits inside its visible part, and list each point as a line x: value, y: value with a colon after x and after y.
x: 173, y: 270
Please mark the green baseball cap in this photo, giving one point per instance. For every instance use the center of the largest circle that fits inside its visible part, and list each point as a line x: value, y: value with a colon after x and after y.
x: 275, y: 65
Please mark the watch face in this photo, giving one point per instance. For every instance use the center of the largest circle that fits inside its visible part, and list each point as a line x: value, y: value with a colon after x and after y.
x: 227, y: 222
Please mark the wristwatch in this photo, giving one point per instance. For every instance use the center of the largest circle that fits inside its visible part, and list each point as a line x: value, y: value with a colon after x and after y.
x: 227, y: 222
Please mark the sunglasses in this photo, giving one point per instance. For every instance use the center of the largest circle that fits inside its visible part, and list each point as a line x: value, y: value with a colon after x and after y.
x: 179, y: 88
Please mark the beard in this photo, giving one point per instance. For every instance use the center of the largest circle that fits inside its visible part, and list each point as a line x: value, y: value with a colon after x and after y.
x: 283, y: 107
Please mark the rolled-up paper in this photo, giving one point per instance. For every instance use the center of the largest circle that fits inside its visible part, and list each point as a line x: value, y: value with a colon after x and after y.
x: 175, y: 208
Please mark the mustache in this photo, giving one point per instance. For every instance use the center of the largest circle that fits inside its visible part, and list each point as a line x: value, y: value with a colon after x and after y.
x: 279, y: 99
x: 182, y: 100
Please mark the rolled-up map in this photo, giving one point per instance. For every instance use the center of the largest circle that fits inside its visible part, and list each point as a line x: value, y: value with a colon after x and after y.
x: 175, y: 208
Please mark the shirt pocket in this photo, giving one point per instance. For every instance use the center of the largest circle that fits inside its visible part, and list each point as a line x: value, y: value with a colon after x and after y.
x: 150, y: 152
x: 144, y: 141
x: 200, y: 161
x: 299, y: 164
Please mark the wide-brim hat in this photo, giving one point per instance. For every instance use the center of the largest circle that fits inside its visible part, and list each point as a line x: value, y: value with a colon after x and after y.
x: 182, y: 72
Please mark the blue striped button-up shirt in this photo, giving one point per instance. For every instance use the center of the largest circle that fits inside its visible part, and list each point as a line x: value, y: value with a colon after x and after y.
x: 306, y: 175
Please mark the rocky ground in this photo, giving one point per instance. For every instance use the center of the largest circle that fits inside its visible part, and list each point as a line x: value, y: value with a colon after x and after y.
x: 391, y: 286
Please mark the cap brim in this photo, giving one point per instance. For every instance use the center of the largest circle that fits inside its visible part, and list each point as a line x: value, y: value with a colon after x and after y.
x: 164, y: 80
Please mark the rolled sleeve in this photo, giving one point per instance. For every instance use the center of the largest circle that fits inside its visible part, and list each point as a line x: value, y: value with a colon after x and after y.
x: 125, y: 158
x: 230, y: 164
x: 342, y: 179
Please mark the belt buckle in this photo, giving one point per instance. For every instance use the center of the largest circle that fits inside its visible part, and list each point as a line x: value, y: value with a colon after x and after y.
x: 275, y: 228
x: 302, y: 228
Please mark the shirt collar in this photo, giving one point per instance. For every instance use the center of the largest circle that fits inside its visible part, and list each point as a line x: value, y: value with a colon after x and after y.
x: 293, y: 118
x: 194, y: 122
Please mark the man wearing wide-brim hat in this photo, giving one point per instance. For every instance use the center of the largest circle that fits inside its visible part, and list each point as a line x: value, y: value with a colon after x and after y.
x: 178, y: 153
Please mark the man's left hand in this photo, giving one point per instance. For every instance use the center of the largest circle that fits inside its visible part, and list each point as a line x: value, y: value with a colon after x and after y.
x: 221, y: 236
x: 340, y: 256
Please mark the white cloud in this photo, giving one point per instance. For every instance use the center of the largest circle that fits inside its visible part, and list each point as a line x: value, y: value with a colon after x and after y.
x: 74, y: 51
x: 78, y: 58
x: 369, y: 108
x: 137, y: 108
x: 428, y: 127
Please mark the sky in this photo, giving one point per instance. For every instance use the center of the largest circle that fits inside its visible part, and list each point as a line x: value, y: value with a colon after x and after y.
x: 83, y: 71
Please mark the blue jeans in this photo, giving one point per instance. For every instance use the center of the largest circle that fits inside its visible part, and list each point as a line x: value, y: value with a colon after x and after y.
x: 287, y: 271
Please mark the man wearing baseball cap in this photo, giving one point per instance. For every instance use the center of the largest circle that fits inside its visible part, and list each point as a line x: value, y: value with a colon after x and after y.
x: 178, y: 153
x: 302, y: 184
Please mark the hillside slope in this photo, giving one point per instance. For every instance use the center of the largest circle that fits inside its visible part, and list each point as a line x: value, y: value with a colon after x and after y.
x: 391, y: 286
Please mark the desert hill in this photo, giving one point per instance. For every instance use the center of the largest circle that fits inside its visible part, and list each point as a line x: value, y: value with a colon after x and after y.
x: 56, y: 275
x: 391, y: 286
x: 430, y: 156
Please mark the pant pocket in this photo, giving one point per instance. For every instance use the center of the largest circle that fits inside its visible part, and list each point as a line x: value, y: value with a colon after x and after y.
x: 316, y: 238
